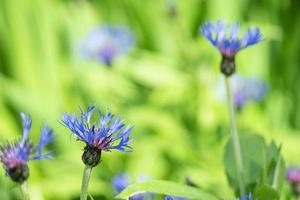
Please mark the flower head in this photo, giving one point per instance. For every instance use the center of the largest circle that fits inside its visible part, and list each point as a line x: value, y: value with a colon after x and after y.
x: 226, y: 38
x: 293, y: 175
x: 105, y: 134
x: 14, y: 156
x: 105, y: 43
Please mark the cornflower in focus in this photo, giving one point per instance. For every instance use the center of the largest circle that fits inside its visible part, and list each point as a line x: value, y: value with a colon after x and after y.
x: 105, y: 134
x: 15, y: 155
x: 106, y: 43
x: 293, y: 178
x: 227, y: 40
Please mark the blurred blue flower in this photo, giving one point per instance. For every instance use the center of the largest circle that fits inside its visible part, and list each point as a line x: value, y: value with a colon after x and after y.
x: 121, y: 181
x: 14, y: 156
x: 226, y: 38
x: 245, y: 90
x: 105, y: 134
x: 105, y: 43
x: 174, y: 198
x: 249, y: 197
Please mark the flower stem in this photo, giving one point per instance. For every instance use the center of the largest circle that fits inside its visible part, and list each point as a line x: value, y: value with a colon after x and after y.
x: 235, y: 138
x: 85, y: 182
x: 24, y: 190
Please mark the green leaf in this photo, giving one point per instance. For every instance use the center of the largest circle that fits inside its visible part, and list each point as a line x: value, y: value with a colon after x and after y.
x: 91, y: 196
x: 267, y: 193
x: 166, y: 188
x: 276, y: 167
x: 253, y: 149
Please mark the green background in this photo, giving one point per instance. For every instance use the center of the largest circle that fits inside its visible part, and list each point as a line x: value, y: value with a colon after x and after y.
x: 165, y: 87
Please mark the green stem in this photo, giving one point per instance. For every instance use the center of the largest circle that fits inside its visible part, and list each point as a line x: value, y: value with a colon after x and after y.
x: 85, y: 182
x: 277, y: 171
x: 235, y: 138
x: 24, y: 190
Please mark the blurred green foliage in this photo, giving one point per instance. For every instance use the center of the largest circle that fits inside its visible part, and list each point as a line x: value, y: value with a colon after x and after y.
x: 165, y: 87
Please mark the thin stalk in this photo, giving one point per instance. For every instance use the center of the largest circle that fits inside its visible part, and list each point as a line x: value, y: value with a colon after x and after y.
x: 235, y: 138
x: 85, y: 182
x: 277, y: 171
x: 24, y: 190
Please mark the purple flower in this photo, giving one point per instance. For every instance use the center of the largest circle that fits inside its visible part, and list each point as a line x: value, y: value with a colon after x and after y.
x: 121, y: 181
x: 293, y: 175
x: 107, y: 133
x: 14, y: 156
x: 105, y: 43
x: 226, y: 37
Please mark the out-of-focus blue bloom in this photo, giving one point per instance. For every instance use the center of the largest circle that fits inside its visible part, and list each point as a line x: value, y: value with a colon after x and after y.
x: 256, y: 89
x: 174, y: 198
x: 226, y: 37
x: 17, y: 154
x: 121, y: 181
x: 245, y: 90
x: 107, y: 133
x: 105, y: 43
x: 249, y: 197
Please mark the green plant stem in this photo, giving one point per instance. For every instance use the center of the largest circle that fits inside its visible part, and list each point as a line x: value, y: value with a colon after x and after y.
x: 235, y: 138
x: 275, y: 182
x: 85, y: 182
x: 24, y: 190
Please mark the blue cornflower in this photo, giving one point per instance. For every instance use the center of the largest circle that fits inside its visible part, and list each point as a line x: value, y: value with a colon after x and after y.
x: 14, y: 156
x: 227, y: 40
x: 121, y: 181
x: 105, y: 43
x: 247, y: 89
x: 244, y: 90
x: 105, y: 134
x: 249, y: 197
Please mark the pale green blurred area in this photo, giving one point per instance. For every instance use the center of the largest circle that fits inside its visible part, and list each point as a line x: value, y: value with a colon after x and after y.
x: 165, y: 87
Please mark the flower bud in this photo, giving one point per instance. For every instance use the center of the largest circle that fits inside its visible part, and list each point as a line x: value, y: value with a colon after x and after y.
x: 228, y: 65
x: 91, y: 156
x: 19, y: 173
